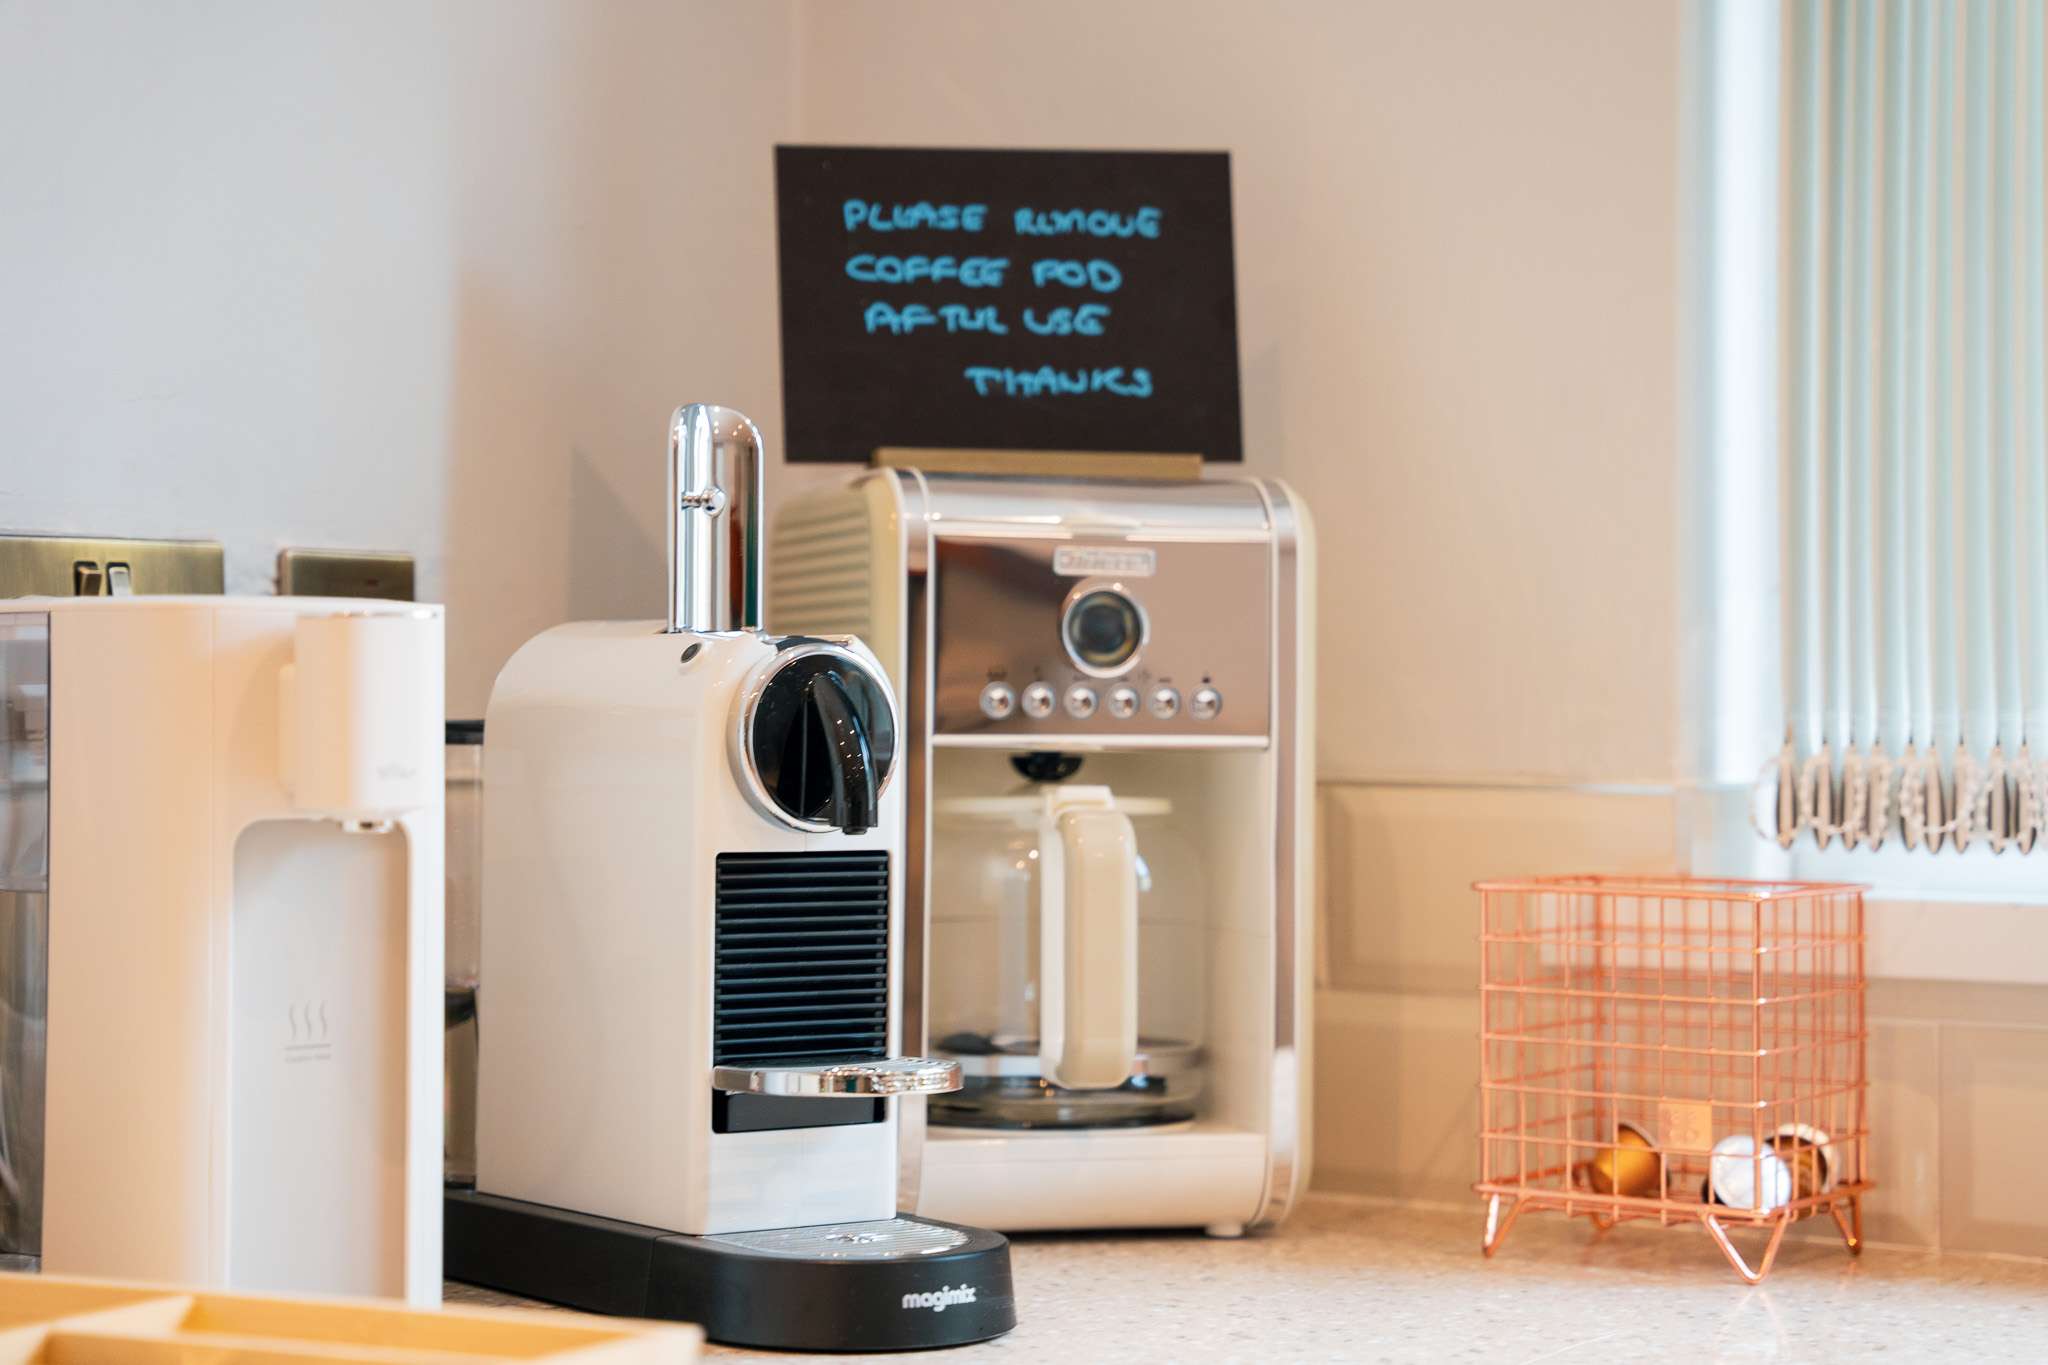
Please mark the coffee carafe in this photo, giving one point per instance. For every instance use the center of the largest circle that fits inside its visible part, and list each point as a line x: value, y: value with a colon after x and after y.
x: 1050, y: 893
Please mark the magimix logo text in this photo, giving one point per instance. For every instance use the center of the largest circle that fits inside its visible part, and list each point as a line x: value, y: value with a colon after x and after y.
x: 940, y: 1299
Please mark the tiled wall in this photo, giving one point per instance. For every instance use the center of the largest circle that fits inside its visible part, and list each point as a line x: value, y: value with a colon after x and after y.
x: 1959, y: 1071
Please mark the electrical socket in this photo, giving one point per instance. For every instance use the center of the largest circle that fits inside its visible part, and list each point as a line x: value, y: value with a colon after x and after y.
x: 102, y: 566
x: 345, y: 573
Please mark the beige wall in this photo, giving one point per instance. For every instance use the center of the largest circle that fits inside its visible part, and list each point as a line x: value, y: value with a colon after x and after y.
x: 425, y: 277
x: 430, y: 277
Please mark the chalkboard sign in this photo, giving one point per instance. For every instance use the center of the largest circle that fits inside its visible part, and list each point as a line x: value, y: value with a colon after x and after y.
x: 1018, y: 300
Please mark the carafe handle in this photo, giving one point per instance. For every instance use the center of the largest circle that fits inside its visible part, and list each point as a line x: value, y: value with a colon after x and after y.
x: 1088, y: 940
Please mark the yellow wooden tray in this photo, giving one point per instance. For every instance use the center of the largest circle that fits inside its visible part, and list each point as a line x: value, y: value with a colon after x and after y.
x: 55, y: 1320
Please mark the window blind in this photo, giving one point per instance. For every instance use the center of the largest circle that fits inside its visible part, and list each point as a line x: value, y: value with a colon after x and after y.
x: 1915, y: 600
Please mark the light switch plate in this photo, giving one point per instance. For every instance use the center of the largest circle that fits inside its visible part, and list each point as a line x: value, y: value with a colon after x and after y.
x: 89, y: 566
x: 345, y: 573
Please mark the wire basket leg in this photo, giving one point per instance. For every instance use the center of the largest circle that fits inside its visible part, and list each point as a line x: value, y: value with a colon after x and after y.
x: 1496, y: 1226
x: 1763, y: 1268
x: 1850, y: 1225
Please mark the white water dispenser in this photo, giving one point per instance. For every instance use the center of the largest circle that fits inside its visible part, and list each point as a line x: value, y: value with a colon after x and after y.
x: 220, y: 890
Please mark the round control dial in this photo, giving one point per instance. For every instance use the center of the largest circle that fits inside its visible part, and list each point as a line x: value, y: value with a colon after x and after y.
x: 1123, y: 702
x: 817, y: 733
x: 1165, y: 703
x: 1102, y: 631
x: 1080, y: 701
x: 1038, y: 701
x: 1205, y: 704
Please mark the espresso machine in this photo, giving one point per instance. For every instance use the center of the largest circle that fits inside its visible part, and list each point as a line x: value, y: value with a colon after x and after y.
x: 220, y: 894
x: 691, y: 1071
x: 1108, y: 735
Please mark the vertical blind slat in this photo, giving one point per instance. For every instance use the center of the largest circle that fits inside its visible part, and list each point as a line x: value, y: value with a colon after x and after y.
x: 1841, y: 329
x: 1861, y: 597
x: 2034, y: 370
x: 1894, y: 704
x: 1919, y: 432
x: 1980, y: 681
x: 1947, y: 731
x: 1803, y: 568
x: 2004, y: 472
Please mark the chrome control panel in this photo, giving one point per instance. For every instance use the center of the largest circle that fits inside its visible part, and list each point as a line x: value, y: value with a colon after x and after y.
x: 1034, y: 643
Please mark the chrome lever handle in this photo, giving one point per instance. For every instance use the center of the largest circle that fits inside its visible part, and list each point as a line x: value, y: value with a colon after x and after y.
x: 714, y: 521
x: 842, y: 1080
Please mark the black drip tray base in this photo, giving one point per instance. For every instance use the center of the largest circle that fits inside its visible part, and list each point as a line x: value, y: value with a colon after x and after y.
x: 898, y: 1284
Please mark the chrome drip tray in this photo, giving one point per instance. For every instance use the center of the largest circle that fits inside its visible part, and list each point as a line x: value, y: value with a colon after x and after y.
x: 879, y: 1240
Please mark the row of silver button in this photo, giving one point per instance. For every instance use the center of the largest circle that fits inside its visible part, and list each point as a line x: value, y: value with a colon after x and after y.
x: 998, y: 701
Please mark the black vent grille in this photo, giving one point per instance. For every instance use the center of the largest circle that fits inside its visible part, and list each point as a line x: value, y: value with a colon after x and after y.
x: 803, y: 957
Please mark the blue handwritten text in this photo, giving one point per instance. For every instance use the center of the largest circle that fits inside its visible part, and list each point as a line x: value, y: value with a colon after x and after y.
x: 1098, y: 275
x: 975, y: 272
x: 860, y: 213
x: 881, y: 316
x: 1048, y: 380
x: 1029, y: 222
x: 1061, y: 322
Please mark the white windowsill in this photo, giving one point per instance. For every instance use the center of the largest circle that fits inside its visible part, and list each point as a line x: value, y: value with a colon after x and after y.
x: 1976, y: 918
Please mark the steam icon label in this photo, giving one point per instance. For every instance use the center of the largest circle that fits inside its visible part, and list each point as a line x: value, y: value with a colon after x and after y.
x: 309, y: 1033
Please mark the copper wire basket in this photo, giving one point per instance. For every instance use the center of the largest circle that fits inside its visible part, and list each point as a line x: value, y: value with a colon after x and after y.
x: 1673, y: 1049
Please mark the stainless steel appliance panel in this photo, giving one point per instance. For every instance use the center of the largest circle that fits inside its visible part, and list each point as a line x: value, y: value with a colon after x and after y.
x: 1036, y: 648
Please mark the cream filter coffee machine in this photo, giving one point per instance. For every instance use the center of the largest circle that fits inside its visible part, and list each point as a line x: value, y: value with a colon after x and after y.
x: 1107, y: 694
x: 220, y: 894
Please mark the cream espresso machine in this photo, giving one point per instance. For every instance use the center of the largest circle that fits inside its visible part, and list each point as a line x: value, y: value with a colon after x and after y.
x: 1108, y: 733
x: 691, y: 1073
x: 220, y: 894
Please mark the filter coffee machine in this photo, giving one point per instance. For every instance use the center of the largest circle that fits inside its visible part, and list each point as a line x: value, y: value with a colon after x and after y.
x: 690, y: 1040
x: 1108, y: 731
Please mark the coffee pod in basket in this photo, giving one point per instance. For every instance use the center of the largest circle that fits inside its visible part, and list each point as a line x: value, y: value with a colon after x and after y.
x: 1629, y: 1167
x: 1806, y: 1149
x: 1789, y: 1166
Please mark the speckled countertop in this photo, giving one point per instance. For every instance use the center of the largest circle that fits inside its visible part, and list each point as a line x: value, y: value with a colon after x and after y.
x: 1356, y: 1280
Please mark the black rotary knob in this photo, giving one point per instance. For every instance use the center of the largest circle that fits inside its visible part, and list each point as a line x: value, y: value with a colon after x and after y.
x: 820, y: 738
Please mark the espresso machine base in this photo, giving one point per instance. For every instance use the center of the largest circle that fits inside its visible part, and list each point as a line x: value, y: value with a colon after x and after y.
x: 892, y: 1284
